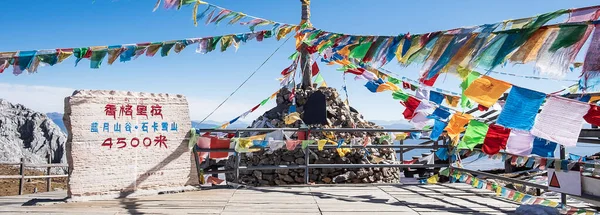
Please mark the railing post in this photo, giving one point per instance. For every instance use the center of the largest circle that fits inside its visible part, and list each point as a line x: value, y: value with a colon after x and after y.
x: 401, y: 158
x: 306, y: 159
x: 238, y: 157
x: 48, y: 180
x: 563, y: 197
x: 22, y: 173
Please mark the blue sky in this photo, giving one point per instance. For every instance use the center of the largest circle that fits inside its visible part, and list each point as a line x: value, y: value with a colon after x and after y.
x: 207, y: 79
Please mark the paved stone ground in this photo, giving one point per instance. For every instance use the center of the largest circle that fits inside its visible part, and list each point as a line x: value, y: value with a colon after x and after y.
x: 328, y: 200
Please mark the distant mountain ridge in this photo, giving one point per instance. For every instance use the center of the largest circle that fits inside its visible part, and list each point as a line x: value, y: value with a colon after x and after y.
x: 57, y: 118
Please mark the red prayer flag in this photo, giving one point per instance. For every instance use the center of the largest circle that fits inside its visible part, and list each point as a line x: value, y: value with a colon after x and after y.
x: 406, y: 85
x: 254, y: 108
x: 495, y: 139
x: 593, y: 115
x: 482, y: 108
x: 315, y: 69
x: 411, y: 105
x: 219, y: 143
x: 429, y: 82
x: 357, y: 71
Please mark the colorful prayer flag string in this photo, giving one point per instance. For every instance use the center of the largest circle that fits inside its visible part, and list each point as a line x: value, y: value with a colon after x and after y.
x: 216, y: 14
x: 30, y: 60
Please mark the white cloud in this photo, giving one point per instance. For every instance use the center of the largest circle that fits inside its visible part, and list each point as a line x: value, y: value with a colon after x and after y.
x: 38, y: 98
x: 51, y: 99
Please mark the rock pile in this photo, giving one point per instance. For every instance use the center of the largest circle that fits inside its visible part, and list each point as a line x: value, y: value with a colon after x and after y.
x: 27, y: 134
x: 339, y: 115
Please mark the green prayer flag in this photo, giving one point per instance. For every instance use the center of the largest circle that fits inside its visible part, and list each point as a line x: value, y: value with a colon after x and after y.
x: 567, y: 36
x: 464, y: 101
x: 293, y: 56
x: 264, y: 101
x: 212, y: 43
x: 474, y: 135
x: 319, y: 78
x: 230, y: 14
x: 49, y: 59
x: 327, y: 45
x: 164, y: 51
x: 360, y: 50
x: 399, y: 95
x: 305, y: 143
x: 313, y: 35
x: 393, y: 80
x: 268, y: 34
x: 97, y: 57
x: 238, y: 17
x: 445, y: 172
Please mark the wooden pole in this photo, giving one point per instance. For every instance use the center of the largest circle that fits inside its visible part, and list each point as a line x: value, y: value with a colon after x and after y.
x: 49, y: 180
x: 304, y: 55
x: 22, y: 173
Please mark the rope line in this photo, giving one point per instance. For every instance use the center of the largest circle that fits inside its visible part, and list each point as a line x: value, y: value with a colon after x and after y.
x: 242, y: 84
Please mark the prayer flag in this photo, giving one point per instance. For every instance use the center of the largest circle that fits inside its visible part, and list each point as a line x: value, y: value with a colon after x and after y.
x: 495, y: 139
x: 593, y: 115
x: 519, y: 143
x: 399, y: 95
x: 543, y: 147
x: 486, y: 90
x: 411, y: 105
x: 564, y: 112
x: 456, y: 125
x: 438, y: 129
x: 521, y: 107
x: 474, y: 135
x: 436, y: 97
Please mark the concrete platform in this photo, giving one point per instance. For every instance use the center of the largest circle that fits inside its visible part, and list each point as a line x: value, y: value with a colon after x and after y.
x: 329, y: 200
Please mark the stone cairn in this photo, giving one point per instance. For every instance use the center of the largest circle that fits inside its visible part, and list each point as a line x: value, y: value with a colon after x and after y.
x: 339, y: 115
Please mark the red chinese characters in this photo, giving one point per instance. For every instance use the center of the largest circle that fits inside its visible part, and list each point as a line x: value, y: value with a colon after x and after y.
x: 142, y: 110
x: 126, y: 110
x: 156, y: 111
x: 111, y: 110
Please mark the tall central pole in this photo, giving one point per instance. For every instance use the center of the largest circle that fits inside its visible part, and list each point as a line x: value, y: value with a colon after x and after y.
x: 304, y: 55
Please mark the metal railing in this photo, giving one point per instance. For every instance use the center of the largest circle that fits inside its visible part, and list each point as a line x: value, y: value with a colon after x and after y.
x: 307, y: 165
x: 22, y: 176
x: 586, y: 134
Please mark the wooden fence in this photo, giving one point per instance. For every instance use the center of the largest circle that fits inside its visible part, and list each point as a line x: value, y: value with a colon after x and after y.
x: 22, y: 177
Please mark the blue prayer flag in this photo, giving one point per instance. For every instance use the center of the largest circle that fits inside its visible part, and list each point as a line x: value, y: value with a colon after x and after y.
x: 521, y: 108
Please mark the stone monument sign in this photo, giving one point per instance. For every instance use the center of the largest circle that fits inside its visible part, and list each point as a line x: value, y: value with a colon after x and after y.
x: 123, y: 142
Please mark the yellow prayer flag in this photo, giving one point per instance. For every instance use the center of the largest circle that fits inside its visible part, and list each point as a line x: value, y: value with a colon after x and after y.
x: 342, y: 152
x: 377, y: 159
x: 415, y: 45
x: 433, y: 179
x: 401, y: 136
x: 387, y: 86
x: 486, y: 90
x: 321, y: 144
x: 452, y: 100
x: 292, y: 118
x: 245, y: 143
x: 399, y: 50
x: 257, y: 137
x: 553, y: 204
x: 498, y: 190
x: 63, y: 55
